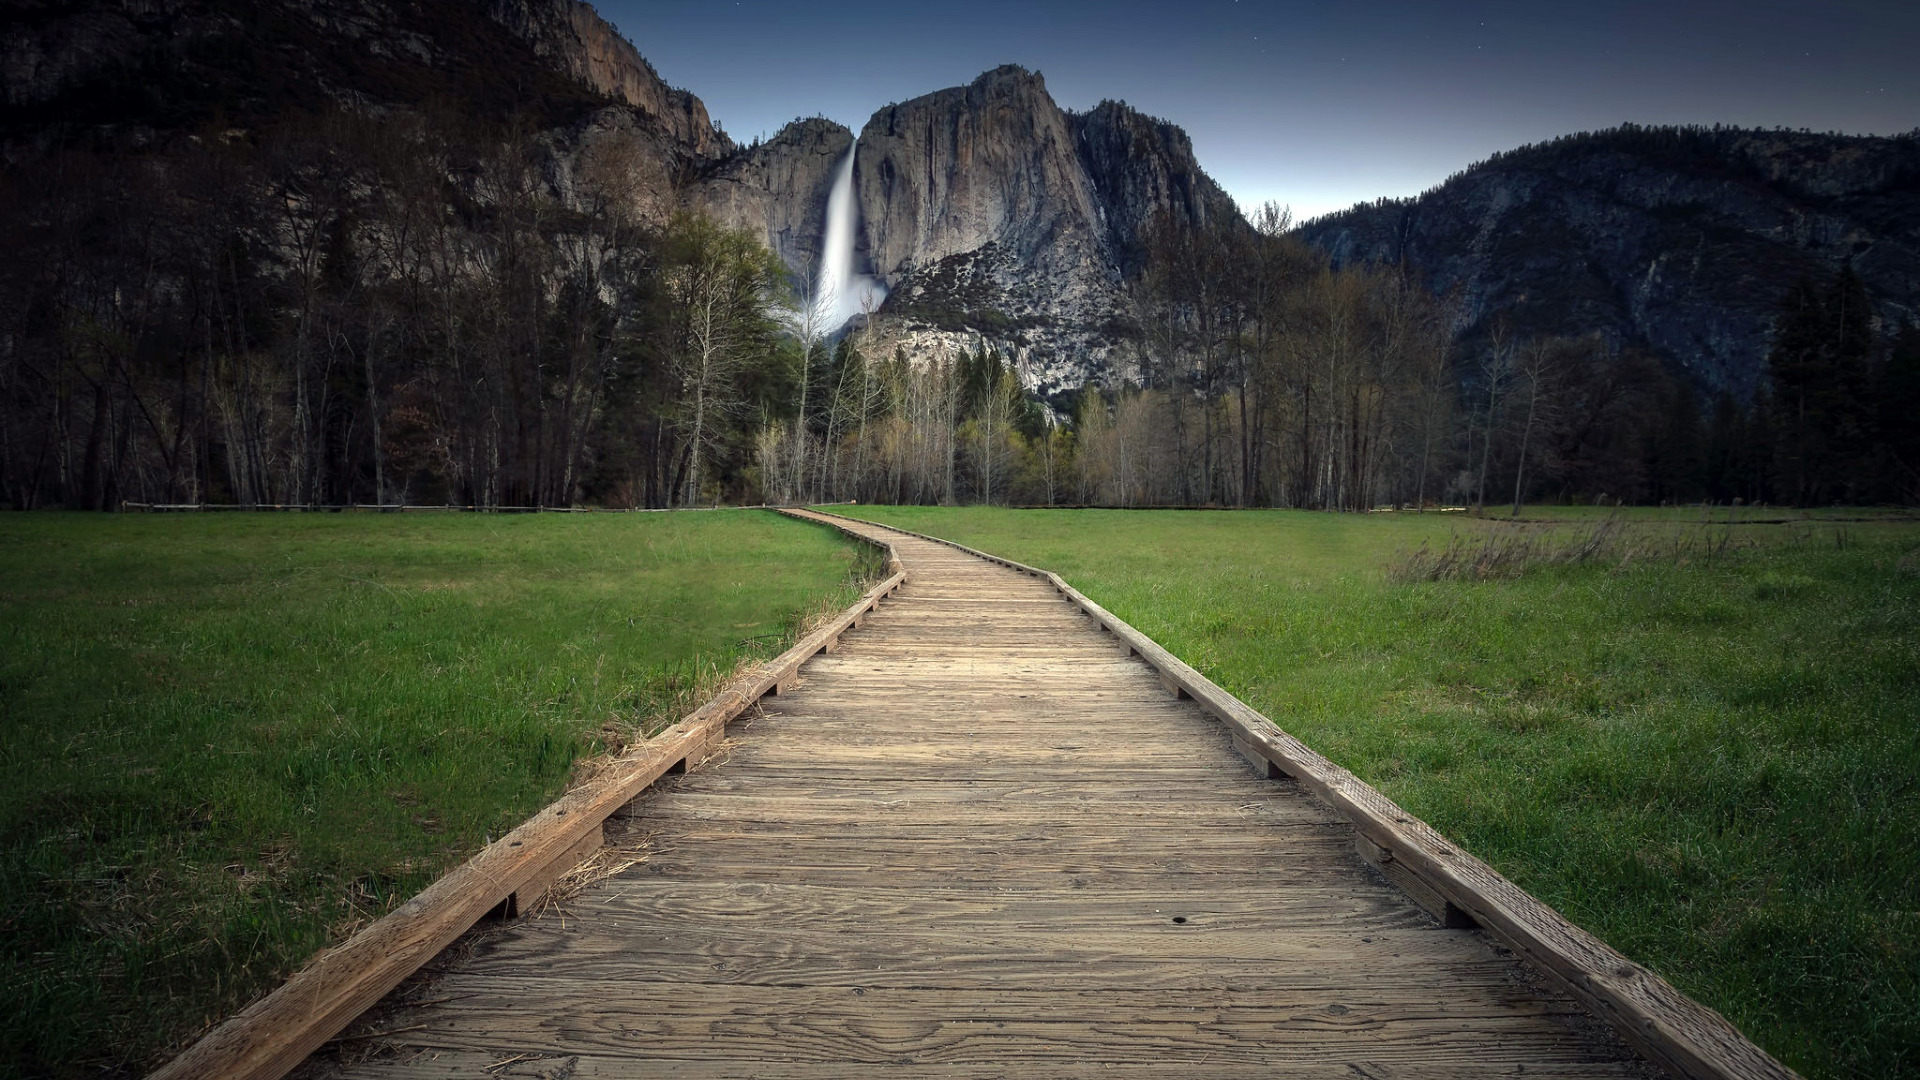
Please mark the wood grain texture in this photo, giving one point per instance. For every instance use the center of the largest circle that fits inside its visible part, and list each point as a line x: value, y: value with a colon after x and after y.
x: 424, y: 1063
x: 1685, y: 1038
x: 979, y: 839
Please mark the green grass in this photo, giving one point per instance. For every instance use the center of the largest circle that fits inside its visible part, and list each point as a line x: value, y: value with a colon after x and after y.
x: 1713, y: 763
x: 225, y: 740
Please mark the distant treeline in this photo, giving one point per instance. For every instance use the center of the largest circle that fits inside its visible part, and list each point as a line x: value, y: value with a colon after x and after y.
x: 337, y: 310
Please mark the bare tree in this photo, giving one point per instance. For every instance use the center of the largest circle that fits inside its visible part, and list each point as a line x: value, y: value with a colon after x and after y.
x: 1537, y: 368
x: 1496, y: 369
x: 724, y: 287
x: 992, y: 432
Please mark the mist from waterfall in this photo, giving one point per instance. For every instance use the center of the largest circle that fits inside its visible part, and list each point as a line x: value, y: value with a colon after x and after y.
x: 841, y: 291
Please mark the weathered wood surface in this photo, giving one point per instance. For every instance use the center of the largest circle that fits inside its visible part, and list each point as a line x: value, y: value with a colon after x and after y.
x: 977, y: 839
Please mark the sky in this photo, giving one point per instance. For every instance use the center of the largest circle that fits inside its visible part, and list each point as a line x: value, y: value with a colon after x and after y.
x: 1314, y: 105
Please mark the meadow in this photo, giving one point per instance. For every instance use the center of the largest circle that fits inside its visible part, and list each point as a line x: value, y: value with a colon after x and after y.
x: 1697, y: 734
x: 228, y: 740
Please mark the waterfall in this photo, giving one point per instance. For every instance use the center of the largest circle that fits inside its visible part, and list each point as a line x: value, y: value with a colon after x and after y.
x: 841, y: 291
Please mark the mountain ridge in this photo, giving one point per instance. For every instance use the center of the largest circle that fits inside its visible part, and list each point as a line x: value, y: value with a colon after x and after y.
x: 1680, y: 240
x: 996, y: 216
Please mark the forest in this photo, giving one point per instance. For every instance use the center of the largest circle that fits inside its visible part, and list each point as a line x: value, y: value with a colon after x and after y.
x: 339, y: 310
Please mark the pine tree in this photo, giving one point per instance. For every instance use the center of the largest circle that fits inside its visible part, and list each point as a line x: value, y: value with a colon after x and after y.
x: 1898, y: 395
x: 1818, y: 369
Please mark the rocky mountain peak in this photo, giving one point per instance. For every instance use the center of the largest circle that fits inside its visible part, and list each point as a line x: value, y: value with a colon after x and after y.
x: 996, y: 216
x: 1009, y: 79
x: 954, y: 170
x: 1146, y: 168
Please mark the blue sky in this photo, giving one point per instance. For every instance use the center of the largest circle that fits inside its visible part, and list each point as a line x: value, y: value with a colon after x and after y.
x: 1315, y: 105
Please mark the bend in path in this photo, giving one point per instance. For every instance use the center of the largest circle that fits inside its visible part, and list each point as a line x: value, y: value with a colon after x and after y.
x: 981, y: 840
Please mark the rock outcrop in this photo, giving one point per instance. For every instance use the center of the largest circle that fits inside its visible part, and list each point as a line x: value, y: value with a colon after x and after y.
x: 778, y: 189
x: 1142, y: 167
x: 154, y: 66
x: 995, y: 216
x: 1682, y: 241
x: 991, y: 162
x: 573, y: 37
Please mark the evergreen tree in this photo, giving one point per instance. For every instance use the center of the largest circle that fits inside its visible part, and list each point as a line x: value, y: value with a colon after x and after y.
x: 1818, y: 368
x: 1675, y: 456
x: 1722, y: 467
x: 1898, y: 395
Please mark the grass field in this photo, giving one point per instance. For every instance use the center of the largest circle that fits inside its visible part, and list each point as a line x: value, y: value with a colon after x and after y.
x: 1703, y: 744
x: 227, y: 740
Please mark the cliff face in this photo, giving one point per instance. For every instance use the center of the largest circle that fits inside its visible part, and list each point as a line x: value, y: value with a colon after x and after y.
x: 572, y: 36
x: 162, y: 65
x: 135, y: 72
x: 778, y: 189
x: 993, y: 162
x: 992, y: 214
x: 1141, y: 167
x: 1680, y: 241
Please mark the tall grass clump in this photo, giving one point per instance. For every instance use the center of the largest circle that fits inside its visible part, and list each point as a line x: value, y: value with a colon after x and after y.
x: 1500, y: 549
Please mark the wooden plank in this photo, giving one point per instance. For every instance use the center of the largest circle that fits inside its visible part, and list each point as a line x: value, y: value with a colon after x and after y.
x: 438, y: 1064
x: 1683, y: 1036
x: 993, y: 874
x: 771, y: 907
x: 798, y: 809
x: 542, y: 880
x: 1407, y: 961
x: 868, y: 1028
x: 1153, y: 788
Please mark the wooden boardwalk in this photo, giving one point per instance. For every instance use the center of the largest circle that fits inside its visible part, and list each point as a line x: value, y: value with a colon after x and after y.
x: 980, y: 839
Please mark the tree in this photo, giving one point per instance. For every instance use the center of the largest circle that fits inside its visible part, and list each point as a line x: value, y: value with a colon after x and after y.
x: 1496, y: 370
x: 991, y: 430
x: 1898, y: 393
x: 1818, y: 367
x: 1434, y: 392
x: 1537, y: 368
x: 1676, y: 456
x: 724, y: 287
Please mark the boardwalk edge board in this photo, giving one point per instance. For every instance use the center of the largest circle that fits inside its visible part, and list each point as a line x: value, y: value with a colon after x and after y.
x: 270, y: 1037
x: 1675, y: 1032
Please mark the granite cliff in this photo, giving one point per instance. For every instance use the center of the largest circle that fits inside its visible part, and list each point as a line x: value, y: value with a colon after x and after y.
x: 994, y: 215
x: 141, y: 70
x: 778, y: 189
x: 572, y: 36
x: 135, y: 73
x: 1682, y: 241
